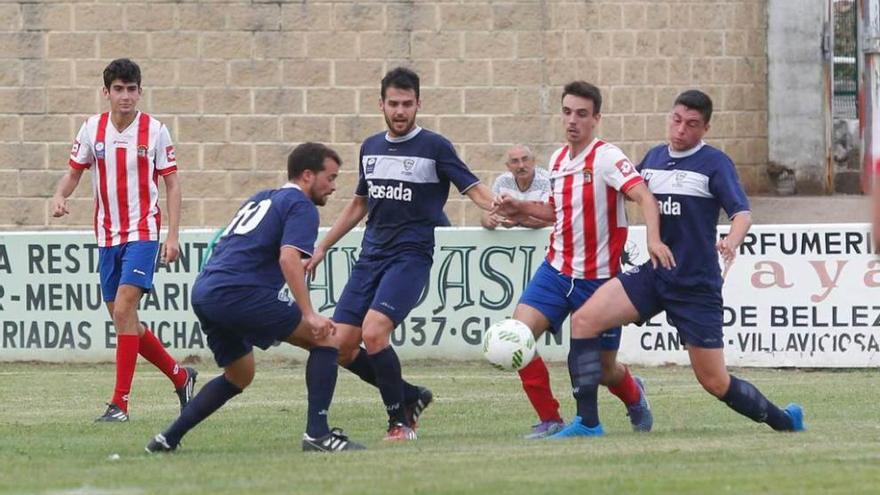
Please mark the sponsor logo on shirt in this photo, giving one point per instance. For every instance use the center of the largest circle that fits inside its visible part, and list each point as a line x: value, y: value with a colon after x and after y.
x: 382, y: 191
x: 169, y: 154
x: 669, y: 207
x: 99, y: 150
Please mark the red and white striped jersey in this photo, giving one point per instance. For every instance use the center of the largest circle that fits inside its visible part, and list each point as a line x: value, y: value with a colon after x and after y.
x: 125, y: 170
x: 587, y: 194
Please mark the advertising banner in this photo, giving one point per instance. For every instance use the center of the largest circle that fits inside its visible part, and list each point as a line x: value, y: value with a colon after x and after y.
x: 797, y: 295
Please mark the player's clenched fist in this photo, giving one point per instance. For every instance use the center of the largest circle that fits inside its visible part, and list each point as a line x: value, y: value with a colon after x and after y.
x: 58, y: 206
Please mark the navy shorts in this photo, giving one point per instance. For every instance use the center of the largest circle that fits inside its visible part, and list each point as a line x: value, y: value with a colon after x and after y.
x: 556, y: 296
x: 235, y: 319
x: 694, y: 311
x: 390, y: 285
x: 132, y: 263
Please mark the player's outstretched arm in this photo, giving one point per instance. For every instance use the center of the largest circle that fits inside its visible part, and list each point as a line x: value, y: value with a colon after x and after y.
x: 171, y: 247
x: 659, y: 252
x: 520, y: 210
x: 481, y: 196
x: 66, y: 186
x: 739, y: 227
x: 291, y: 262
x: 354, y: 212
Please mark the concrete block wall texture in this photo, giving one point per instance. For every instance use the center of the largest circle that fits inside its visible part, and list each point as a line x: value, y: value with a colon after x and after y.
x: 240, y: 82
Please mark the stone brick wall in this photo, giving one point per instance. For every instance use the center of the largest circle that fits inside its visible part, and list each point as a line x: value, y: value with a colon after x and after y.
x: 239, y: 82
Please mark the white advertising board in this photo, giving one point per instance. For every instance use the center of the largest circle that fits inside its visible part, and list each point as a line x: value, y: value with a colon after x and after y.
x: 797, y: 295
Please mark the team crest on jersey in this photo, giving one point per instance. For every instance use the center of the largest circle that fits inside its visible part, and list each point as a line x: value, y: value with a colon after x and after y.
x: 99, y: 150
x: 626, y: 167
x: 647, y: 175
x: 371, y: 164
x: 169, y: 154
x: 142, y: 151
x: 588, y: 176
x: 408, y: 165
x: 75, y: 149
x: 680, y: 177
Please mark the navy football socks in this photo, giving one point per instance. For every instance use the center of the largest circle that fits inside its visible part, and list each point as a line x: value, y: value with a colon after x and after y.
x: 321, y: 372
x: 363, y: 368
x: 746, y: 399
x: 390, y: 382
x: 585, y: 369
x: 211, y: 396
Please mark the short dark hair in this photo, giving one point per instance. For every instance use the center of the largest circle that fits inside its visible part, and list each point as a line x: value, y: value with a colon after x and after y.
x: 400, y: 78
x: 309, y: 156
x: 584, y: 90
x: 123, y: 69
x: 696, y: 100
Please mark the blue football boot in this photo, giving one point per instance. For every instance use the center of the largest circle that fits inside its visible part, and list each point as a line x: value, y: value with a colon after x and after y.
x: 577, y: 429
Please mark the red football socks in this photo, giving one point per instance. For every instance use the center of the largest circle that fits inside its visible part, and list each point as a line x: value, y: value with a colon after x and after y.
x: 153, y: 351
x: 627, y: 390
x: 126, y: 361
x: 536, y: 383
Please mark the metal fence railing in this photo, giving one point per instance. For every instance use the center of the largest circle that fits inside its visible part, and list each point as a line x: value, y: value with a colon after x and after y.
x: 845, y: 76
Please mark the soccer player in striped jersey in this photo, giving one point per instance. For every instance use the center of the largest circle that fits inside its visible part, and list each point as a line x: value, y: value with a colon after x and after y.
x: 590, y: 179
x: 692, y: 181
x: 127, y: 151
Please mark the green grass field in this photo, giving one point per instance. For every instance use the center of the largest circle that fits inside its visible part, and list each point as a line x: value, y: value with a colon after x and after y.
x: 469, y: 440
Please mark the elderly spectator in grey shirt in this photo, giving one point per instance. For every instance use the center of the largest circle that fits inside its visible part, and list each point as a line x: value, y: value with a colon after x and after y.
x: 522, y: 181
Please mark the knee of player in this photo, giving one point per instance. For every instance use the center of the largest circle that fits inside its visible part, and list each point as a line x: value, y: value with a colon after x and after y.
x: 240, y: 379
x: 715, y: 385
x: 375, y: 338
x: 584, y: 325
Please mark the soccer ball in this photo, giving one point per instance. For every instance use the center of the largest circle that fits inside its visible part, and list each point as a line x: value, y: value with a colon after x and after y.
x: 509, y: 345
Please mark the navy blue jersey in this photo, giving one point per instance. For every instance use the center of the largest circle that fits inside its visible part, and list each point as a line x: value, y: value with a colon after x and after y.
x: 248, y: 251
x: 406, y: 182
x: 691, y: 188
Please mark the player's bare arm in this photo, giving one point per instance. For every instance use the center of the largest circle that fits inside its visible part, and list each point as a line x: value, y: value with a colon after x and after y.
x: 659, y: 252
x: 171, y: 247
x: 291, y: 264
x: 739, y: 227
x: 518, y: 209
x: 351, y: 215
x: 481, y: 196
x: 535, y: 223
x: 66, y: 186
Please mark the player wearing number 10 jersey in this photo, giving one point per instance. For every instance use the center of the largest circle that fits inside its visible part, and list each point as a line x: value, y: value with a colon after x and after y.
x: 240, y: 302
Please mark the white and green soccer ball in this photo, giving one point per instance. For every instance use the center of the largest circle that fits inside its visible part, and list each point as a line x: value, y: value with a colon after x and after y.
x: 509, y: 345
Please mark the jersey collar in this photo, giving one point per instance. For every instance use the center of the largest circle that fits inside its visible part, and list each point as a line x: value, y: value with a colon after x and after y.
x: 582, y: 155
x: 411, y: 134
x: 289, y: 185
x: 685, y: 153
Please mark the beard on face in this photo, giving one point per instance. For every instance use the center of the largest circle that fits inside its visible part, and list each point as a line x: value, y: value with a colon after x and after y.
x: 409, y: 124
